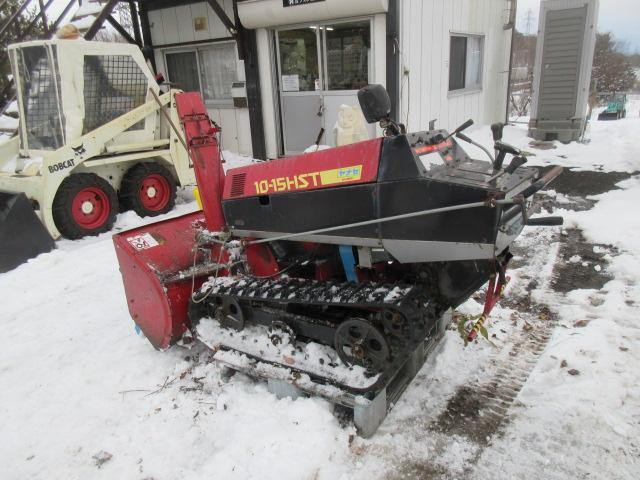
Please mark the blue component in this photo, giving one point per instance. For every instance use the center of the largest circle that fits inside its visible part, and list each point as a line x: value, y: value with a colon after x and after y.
x: 348, y: 262
x: 138, y: 330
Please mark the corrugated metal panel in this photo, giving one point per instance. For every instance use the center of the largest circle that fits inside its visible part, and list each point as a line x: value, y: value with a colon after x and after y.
x: 563, y: 38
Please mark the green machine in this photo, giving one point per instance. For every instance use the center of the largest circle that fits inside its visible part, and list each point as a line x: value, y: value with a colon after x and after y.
x: 616, y: 108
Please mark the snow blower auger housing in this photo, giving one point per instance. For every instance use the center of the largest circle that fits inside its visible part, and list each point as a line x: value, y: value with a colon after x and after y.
x: 331, y: 273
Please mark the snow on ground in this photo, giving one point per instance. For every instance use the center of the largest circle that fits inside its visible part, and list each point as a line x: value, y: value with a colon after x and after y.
x: 8, y: 123
x: 612, y: 145
x: 83, y: 396
x: 7, y: 126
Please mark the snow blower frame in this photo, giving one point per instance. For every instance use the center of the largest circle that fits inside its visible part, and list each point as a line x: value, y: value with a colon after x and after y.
x: 331, y: 273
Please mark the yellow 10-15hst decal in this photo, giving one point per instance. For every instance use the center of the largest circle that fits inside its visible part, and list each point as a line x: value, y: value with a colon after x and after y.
x: 309, y: 180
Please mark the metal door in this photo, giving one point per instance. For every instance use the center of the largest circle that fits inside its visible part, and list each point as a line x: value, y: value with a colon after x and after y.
x: 561, y: 57
x: 300, y: 86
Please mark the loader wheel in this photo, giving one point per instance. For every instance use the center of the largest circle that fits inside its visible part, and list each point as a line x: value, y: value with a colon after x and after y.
x: 148, y: 189
x: 84, y: 205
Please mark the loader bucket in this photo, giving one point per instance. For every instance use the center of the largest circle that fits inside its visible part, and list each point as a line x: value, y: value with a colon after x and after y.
x: 608, y: 116
x: 22, y: 235
x: 151, y: 259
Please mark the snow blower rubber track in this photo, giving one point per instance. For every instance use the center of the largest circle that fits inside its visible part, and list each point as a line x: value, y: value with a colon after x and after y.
x: 372, y: 328
x: 367, y: 410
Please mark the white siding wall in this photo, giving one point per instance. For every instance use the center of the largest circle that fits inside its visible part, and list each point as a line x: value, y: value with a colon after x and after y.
x: 425, y: 27
x: 176, y: 25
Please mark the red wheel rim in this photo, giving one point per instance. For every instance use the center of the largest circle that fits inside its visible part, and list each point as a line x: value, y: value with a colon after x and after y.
x: 155, y: 192
x: 90, y: 208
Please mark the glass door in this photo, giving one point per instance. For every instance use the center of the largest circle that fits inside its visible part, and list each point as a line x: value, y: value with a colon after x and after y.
x: 347, y: 60
x: 300, y: 87
x: 321, y: 68
x: 347, y: 55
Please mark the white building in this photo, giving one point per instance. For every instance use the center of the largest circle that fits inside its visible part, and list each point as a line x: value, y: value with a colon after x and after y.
x: 439, y: 59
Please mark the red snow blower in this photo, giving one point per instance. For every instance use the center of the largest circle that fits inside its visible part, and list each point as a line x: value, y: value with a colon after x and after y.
x: 330, y: 272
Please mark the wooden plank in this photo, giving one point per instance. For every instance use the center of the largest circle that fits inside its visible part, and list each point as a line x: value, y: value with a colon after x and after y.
x: 414, y: 23
x: 426, y: 65
x: 169, y: 25
x: 184, y: 24
x: 216, y: 27
x: 437, y: 68
x: 156, y: 27
x: 200, y: 10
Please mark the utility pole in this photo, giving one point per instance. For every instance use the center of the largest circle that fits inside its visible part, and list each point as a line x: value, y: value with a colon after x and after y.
x: 528, y: 22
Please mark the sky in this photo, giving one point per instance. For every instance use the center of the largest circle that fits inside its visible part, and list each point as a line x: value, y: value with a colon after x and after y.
x: 622, y: 17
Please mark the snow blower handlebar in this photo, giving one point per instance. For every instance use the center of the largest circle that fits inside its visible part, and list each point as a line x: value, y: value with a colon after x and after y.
x: 542, y: 181
x: 520, y: 207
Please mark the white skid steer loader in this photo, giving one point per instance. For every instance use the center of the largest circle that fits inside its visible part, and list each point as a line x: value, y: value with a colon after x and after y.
x: 96, y: 136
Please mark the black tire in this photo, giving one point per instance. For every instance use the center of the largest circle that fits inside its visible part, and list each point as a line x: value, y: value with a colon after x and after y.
x: 134, y: 188
x: 624, y: 114
x: 77, y: 221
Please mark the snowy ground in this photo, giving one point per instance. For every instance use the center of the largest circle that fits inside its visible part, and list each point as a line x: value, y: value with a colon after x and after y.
x: 556, y: 394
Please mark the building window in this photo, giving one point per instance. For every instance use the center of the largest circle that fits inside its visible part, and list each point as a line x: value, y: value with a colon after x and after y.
x: 182, y: 69
x: 465, y: 62
x: 348, y: 52
x: 218, y: 71
x: 210, y: 70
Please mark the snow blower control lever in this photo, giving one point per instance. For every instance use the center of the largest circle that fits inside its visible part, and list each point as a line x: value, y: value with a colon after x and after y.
x: 503, y: 149
x: 516, y: 163
x: 461, y: 128
x: 464, y: 138
x: 496, y: 130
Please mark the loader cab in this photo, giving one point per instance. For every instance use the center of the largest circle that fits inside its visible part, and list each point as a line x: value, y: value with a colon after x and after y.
x: 66, y: 88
